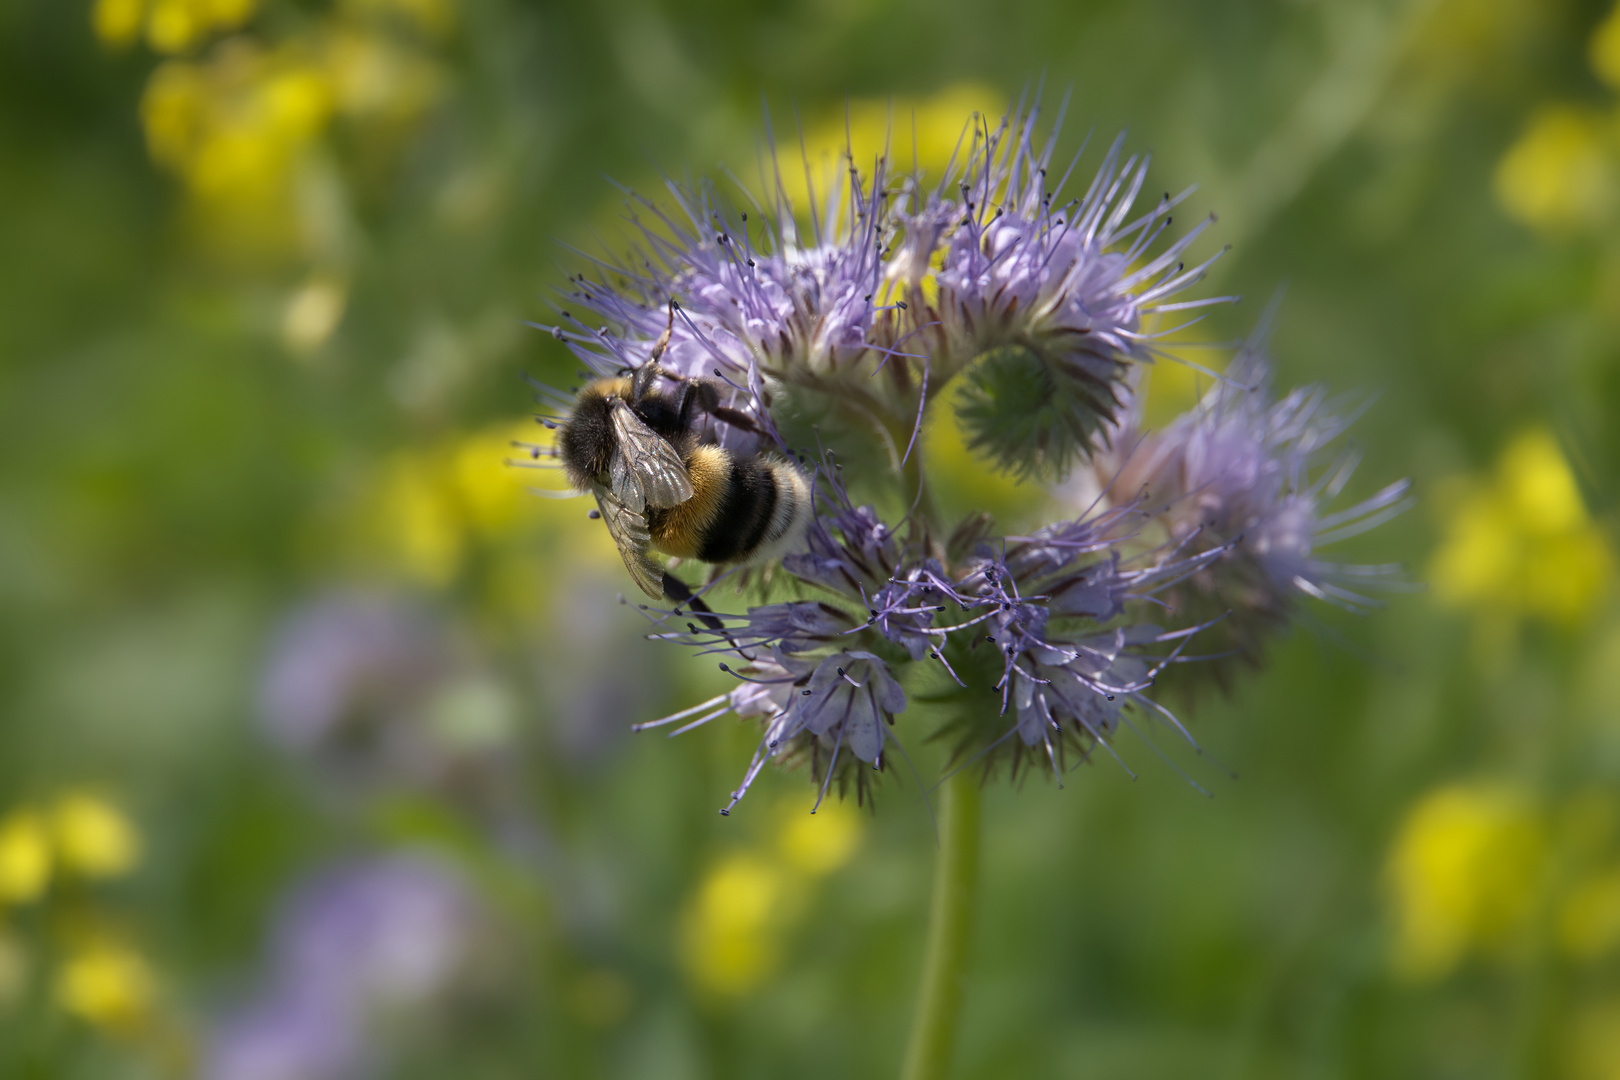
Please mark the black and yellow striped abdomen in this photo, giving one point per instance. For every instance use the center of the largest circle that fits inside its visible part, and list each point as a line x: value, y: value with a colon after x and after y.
x: 742, y: 510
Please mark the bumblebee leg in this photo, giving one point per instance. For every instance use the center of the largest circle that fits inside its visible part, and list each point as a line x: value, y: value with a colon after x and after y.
x: 704, y: 395
x: 663, y: 339
x: 643, y: 381
x: 678, y: 591
x: 696, y: 396
x: 646, y: 376
x: 736, y: 418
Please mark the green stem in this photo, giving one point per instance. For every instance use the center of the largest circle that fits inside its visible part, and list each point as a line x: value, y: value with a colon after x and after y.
x: 950, y: 927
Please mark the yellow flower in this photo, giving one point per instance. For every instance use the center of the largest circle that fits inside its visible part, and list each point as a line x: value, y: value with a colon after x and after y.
x: 1523, y: 545
x: 430, y: 16
x: 1594, y: 1046
x: 492, y: 491
x: 13, y: 970
x: 1589, y: 923
x: 313, y: 312
x: 25, y: 857
x: 373, y: 77
x: 728, y: 935
x: 419, y: 516
x: 93, y: 837
x: 1604, y: 49
x: 1462, y: 874
x: 175, y: 26
x: 239, y: 129
x: 819, y: 843
x: 1560, y: 174
x: 107, y: 984
x: 117, y: 22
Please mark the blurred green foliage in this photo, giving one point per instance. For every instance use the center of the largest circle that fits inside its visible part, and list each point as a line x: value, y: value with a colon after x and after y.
x: 265, y: 269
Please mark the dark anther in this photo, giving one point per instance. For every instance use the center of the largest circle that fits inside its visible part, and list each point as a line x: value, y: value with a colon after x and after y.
x: 1110, y: 697
x: 724, y: 668
x: 593, y: 514
x: 725, y: 813
x: 750, y: 262
x: 901, y: 304
x: 566, y: 315
x: 805, y: 693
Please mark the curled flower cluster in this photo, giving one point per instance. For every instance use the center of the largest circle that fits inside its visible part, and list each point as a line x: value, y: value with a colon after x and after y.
x: 1035, y: 309
x: 1255, y: 474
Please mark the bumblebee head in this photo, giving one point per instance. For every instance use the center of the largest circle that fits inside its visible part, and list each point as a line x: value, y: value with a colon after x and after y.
x: 585, y: 442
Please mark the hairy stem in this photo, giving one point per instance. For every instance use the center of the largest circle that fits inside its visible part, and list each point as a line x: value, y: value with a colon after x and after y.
x: 950, y: 927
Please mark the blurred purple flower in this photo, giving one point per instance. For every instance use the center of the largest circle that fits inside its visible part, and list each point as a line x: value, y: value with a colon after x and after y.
x: 362, y: 942
x: 390, y: 929
x: 287, y: 1037
x: 371, y: 691
x: 346, y: 666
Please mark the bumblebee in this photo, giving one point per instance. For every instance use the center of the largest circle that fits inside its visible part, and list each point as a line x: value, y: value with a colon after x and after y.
x: 635, y: 446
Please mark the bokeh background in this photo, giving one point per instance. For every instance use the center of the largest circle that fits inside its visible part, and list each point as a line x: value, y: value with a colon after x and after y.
x: 314, y: 755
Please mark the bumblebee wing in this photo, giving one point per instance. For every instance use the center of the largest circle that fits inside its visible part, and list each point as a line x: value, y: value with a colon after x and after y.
x: 630, y: 535
x: 645, y: 470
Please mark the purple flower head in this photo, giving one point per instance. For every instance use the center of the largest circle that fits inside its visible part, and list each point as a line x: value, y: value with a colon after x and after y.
x: 835, y: 707
x: 1046, y: 298
x: 1255, y: 474
x: 840, y: 326
x: 1044, y: 301
x: 759, y: 300
x: 1038, y: 607
x: 1034, y: 620
x: 851, y: 551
